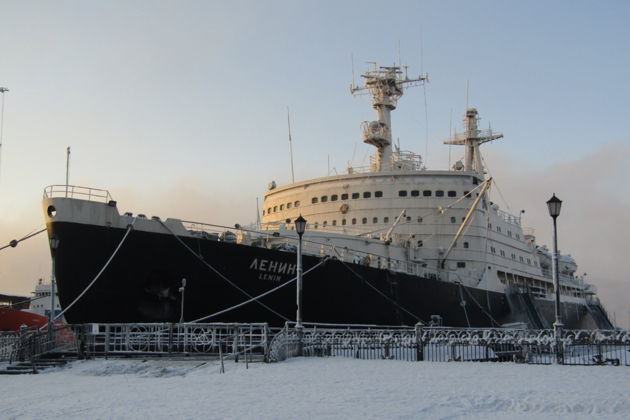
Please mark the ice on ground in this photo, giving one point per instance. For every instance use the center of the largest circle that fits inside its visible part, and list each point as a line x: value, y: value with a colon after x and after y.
x: 318, y: 388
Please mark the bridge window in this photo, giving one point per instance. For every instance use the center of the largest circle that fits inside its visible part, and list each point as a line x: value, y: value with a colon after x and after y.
x: 374, y: 219
x: 334, y: 223
x: 386, y: 219
x: 465, y: 244
x: 364, y: 220
x: 419, y: 219
x: 452, y: 193
x: 325, y: 223
x: 355, y: 196
x: 439, y: 193
x: 402, y: 193
x: 263, y: 212
x: 415, y: 193
x: 275, y: 209
x: 296, y: 204
x: 461, y: 264
x: 419, y: 244
x: 334, y: 197
x: 354, y: 221
x: 281, y: 207
x: 289, y: 205
x: 378, y: 194
x: 466, y: 193
x: 367, y: 194
x: 344, y: 196
x: 324, y: 198
x: 453, y: 219
x: 426, y: 193
x: 343, y: 222
x: 314, y: 200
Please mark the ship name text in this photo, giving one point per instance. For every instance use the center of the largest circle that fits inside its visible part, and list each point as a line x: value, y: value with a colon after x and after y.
x: 270, y: 270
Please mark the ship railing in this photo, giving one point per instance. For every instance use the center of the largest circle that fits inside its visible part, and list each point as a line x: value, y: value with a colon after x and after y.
x: 400, y: 161
x: 449, y: 344
x: 77, y: 192
x: 509, y: 218
x: 564, y: 278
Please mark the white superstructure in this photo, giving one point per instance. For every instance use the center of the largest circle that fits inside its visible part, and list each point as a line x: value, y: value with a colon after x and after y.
x: 400, y: 216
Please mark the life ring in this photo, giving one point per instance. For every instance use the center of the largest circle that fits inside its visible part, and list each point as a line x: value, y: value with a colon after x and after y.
x: 344, y: 208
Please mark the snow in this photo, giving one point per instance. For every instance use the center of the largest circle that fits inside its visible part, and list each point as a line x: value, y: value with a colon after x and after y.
x: 317, y: 388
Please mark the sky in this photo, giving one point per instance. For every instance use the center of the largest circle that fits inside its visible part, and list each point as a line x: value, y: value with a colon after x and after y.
x: 179, y: 108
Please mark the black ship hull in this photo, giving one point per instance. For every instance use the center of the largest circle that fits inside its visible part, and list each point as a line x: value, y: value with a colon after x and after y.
x: 141, y: 284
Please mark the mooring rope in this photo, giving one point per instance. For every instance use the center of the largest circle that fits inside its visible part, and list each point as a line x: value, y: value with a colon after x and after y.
x: 390, y: 300
x: 217, y: 272
x: 13, y: 243
x: 129, y: 229
x: 261, y: 295
x: 480, y: 307
x: 462, y: 303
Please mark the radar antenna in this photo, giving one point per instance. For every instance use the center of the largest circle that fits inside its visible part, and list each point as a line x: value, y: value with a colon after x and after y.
x: 386, y: 85
x: 472, y: 138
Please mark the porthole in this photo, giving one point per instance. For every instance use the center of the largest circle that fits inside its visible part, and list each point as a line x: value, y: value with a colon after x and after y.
x: 52, y: 211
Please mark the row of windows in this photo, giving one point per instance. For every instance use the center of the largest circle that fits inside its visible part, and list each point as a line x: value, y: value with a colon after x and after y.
x: 513, y: 256
x: 509, y: 232
x: 375, y: 220
x: 365, y: 194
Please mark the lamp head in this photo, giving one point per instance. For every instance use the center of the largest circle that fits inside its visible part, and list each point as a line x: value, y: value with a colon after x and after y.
x: 554, y: 204
x: 300, y: 225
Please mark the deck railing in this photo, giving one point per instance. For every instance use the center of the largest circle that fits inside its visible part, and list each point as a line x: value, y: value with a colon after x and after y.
x: 77, y: 192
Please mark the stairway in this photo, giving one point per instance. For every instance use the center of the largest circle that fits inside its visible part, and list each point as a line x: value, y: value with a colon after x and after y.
x: 600, y: 317
x: 32, y: 367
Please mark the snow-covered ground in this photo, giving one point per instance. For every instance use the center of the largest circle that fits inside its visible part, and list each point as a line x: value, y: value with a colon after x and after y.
x: 316, y: 388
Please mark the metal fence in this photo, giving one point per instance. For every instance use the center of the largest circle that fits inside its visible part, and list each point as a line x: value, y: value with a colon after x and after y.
x: 443, y: 344
x: 209, y: 339
x: 231, y: 341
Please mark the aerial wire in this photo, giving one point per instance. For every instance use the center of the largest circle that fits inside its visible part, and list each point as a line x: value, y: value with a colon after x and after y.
x: 290, y: 145
x: 2, y: 90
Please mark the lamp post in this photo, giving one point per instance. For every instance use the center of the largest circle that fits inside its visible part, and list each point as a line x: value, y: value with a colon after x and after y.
x: 300, y: 227
x: 54, y: 244
x: 554, y: 204
x: 182, y: 290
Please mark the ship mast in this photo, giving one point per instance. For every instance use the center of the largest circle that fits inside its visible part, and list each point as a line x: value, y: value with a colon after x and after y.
x: 386, y: 85
x: 472, y: 138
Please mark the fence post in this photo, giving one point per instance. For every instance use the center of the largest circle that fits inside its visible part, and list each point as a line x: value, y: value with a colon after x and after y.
x: 419, y: 344
x: 559, y: 347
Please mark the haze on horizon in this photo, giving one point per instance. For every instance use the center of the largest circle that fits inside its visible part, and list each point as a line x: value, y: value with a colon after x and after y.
x: 179, y: 109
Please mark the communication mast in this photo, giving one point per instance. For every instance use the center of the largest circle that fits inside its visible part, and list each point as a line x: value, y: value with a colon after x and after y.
x: 472, y: 138
x: 386, y: 85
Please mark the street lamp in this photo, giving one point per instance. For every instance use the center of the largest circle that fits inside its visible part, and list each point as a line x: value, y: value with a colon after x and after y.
x: 182, y: 290
x: 300, y: 227
x: 554, y: 204
x: 54, y: 244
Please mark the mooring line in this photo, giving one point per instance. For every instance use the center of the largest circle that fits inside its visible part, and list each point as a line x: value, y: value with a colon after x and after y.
x: 217, y: 272
x: 261, y: 295
x: 129, y: 229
